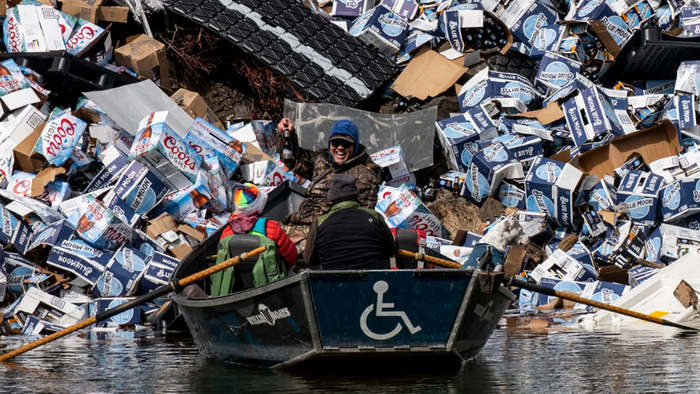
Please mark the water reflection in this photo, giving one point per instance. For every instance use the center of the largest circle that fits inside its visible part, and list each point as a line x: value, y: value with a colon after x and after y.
x: 646, y: 359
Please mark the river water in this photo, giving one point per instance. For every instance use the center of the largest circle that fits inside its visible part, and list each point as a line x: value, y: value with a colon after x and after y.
x: 648, y: 359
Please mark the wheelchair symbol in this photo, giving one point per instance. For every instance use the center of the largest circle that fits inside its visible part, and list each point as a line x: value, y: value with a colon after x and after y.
x: 380, y: 288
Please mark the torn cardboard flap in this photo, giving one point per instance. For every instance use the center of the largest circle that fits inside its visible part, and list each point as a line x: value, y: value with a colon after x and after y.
x: 253, y: 154
x: 116, y: 14
x: 180, y: 251
x: 609, y: 217
x: 191, y: 231
x: 192, y: 102
x: 652, y: 144
x: 428, y: 74
x: 605, y: 38
x: 160, y: 225
x: 545, y: 116
x: 43, y: 178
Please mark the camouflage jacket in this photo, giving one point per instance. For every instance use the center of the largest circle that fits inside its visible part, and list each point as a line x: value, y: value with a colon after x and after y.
x: 317, y: 167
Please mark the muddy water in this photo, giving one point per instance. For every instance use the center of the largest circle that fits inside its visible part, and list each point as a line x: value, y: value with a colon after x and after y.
x: 648, y: 359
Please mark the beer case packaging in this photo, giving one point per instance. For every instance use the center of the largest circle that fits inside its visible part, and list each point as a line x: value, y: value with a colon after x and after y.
x: 51, y: 235
x: 108, y: 174
x: 404, y: 8
x: 528, y: 19
x: 35, y: 326
x: 12, y: 228
x: 13, y: 34
x: 139, y: 188
x: 86, y: 270
x: 196, y: 107
x: 458, y: 136
x: 575, y: 287
x: 452, y: 180
x: 603, y: 196
x: 19, y: 125
x: 259, y: 133
x: 23, y: 184
x: 690, y: 17
x: 554, y: 72
x: 77, y: 246
x: 393, y: 159
x: 680, y: 199
x: 131, y: 316
x: 18, y: 269
x: 459, y: 254
x: 583, y: 255
x: 3, y: 285
x: 553, y: 38
x: 515, y: 93
x: 102, y: 228
x: 434, y: 243
x: 85, y: 35
x: 165, y: 153
x: 210, y: 142
x: 488, y: 168
x: 471, y: 239
x: 591, y: 114
x: 351, y: 8
x: 146, y: 57
x: 382, y: 28
x: 264, y: 173
x: 34, y: 298
x: 550, y: 186
x: 11, y: 79
x: 191, y: 199
x: 667, y: 242
x: 639, y: 191
x: 121, y: 274
x: 121, y: 209
x: 604, y: 292
x: 157, y: 273
x: 524, y: 148
x: 512, y: 196
x: 593, y: 223
x: 685, y: 77
x: 560, y: 265
x: 685, y: 107
x: 403, y: 209
x: 42, y: 32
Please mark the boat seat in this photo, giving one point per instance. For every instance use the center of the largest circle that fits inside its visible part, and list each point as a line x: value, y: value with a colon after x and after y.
x: 243, y: 271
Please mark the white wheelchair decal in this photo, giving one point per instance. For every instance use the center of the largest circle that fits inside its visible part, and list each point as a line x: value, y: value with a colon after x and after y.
x: 380, y: 288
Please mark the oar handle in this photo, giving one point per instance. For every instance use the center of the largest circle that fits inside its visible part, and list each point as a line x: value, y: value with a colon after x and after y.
x: 161, y: 291
x: 429, y: 259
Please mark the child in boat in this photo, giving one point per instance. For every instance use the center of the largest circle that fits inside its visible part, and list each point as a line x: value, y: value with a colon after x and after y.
x: 349, y: 236
x: 250, y: 202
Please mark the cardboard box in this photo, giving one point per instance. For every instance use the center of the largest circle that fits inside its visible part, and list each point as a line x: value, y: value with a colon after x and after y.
x: 428, y: 74
x: 352, y: 8
x: 264, y: 173
x: 455, y: 19
x: 188, y: 200
x: 550, y: 187
x: 652, y: 144
x: 527, y: 18
x: 488, y: 168
x: 639, y: 191
x: 512, y: 196
x: 215, y: 146
x: 34, y: 297
x: 121, y: 274
x: 84, y: 268
x: 524, y: 148
x: 680, y: 199
x: 195, y: 106
x: 452, y: 180
x: 102, y: 228
x: 261, y: 135
x: 140, y: 189
x: 165, y: 153
x: 131, y: 316
x: 18, y: 269
x: 146, y: 57
x: 402, y: 209
x: 560, y: 265
x: 514, y: 92
x: 393, y: 161
x: 458, y: 137
x: 381, y: 28
x: 554, y: 72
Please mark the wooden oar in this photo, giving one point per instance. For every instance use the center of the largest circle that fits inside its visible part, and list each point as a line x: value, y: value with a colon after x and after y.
x: 159, y: 292
x: 567, y: 295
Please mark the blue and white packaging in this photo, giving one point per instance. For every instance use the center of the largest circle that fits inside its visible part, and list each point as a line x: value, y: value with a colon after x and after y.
x: 227, y: 149
x: 131, y: 316
x: 587, y: 11
x: 452, y: 180
x: 572, y: 47
x: 560, y: 265
x: 639, y: 191
x: 457, y: 136
x: 107, y: 175
x: 471, y: 239
x: 550, y: 186
x: 687, y: 118
x: 514, y: 92
x: 554, y: 72
x: 591, y: 114
x: 668, y: 243
x: 120, y: 209
x: 582, y: 254
x: 690, y: 18
x: 157, y: 273
x: 688, y: 77
x: 605, y: 292
x: 404, y: 8
x: 603, y: 196
x: 434, y: 243
x: 550, y: 38
x: 680, y: 199
x: 86, y: 269
x: 77, y: 246
x: 488, y: 168
x: 140, y: 189
x: 618, y: 29
x: 558, y: 285
x: 511, y: 196
x: 524, y: 148
x: 593, y: 224
x: 527, y: 18
x: 18, y: 269
x: 642, y: 88
x: 382, y: 28
x: 351, y: 8
x: 121, y: 275
x: 455, y: 20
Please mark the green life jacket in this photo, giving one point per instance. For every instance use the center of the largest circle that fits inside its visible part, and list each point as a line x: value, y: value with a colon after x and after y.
x: 267, y: 269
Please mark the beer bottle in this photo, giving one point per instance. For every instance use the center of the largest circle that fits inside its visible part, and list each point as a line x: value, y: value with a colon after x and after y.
x: 4, y: 71
x: 287, y: 151
x: 198, y: 199
x: 84, y: 224
x: 147, y: 131
x: 236, y: 145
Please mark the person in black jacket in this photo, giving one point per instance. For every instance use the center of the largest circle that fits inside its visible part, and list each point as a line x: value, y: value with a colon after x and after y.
x: 349, y: 236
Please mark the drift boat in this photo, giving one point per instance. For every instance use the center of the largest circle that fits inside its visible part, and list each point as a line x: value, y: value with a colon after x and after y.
x: 427, y: 317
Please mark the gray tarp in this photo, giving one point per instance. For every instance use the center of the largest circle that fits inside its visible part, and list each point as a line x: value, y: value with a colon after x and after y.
x: 413, y: 131
x: 129, y: 104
